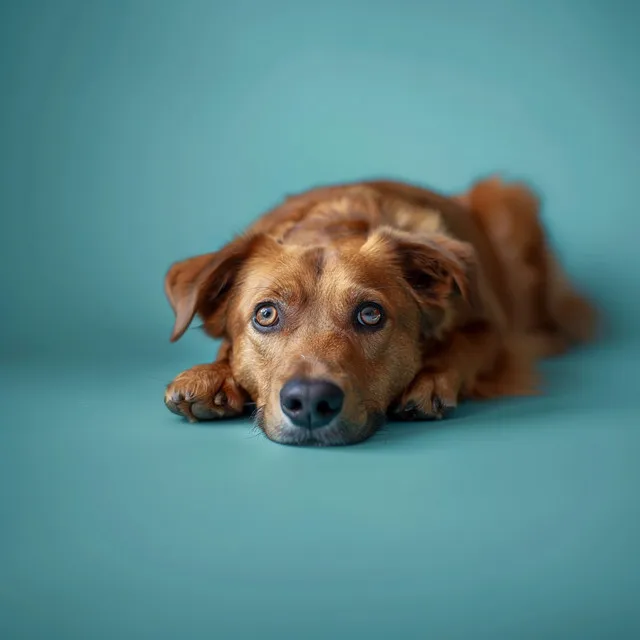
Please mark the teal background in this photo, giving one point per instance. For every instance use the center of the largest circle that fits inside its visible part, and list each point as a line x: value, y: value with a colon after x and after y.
x: 136, y: 133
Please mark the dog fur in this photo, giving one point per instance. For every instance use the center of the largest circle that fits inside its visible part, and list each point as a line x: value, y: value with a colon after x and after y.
x: 471, y: 292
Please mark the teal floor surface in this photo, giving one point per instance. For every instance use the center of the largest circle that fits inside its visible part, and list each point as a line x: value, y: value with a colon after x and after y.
x: 516, y: 519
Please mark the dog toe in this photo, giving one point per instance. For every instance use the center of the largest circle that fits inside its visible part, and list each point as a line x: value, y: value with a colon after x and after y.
x: 202, y: 411
x: 206, y: 392
x: 429, y: 397
x: 171, y: 403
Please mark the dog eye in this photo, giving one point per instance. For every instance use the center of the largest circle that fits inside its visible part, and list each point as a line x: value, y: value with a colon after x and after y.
x: 369, y: 315
x: 266, y: 316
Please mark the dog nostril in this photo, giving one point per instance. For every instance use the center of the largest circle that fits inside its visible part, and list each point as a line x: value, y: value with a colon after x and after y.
x: 324, y: 409
x: 294, y: 404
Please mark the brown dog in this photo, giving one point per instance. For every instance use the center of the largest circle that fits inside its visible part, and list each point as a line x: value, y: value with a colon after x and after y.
x: 347, y: 303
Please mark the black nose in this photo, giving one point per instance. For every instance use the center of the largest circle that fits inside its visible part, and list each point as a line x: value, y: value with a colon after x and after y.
x: 311, y: 403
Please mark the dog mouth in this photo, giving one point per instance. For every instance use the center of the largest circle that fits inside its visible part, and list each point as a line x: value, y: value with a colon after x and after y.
x: 339, y: 432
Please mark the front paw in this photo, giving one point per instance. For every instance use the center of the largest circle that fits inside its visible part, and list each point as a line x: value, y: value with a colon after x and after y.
x: 431, y: 396
x: 205, y: 392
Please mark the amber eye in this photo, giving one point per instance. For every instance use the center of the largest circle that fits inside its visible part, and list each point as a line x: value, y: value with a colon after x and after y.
x: 266, y: 316
x: 370, y: 315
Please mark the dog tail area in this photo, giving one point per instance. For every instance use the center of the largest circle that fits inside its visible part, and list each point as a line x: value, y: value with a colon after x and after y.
x: 546, y: 304
x: 577, y: 318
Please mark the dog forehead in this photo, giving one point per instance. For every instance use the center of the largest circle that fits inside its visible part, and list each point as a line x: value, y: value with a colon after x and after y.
x: 290, y: 266
x: 337, y: 272
x: 350, y: 267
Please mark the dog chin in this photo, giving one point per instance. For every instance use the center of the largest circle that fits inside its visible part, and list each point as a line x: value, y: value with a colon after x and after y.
x: 336, y: 433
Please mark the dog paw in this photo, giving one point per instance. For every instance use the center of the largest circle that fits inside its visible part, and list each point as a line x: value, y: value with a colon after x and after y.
x: 205, y: 392
x: 431, y: 396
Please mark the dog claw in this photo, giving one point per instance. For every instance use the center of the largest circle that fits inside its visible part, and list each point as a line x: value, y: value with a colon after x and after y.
x: 442, y: 408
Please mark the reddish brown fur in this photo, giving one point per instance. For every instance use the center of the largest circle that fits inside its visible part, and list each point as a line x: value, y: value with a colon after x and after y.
x: 472, y: 293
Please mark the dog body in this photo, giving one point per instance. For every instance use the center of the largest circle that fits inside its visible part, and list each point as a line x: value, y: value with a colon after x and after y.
x: 351, y: 302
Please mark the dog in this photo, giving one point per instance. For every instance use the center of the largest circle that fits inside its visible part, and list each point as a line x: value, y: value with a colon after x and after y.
x: 353, y: 303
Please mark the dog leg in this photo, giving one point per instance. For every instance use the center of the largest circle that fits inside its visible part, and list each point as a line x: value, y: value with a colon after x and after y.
x: 475, y: 362
x: 207, y: 391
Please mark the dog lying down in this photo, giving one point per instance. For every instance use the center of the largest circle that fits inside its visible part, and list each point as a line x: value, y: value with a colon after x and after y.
x: 352, y: 303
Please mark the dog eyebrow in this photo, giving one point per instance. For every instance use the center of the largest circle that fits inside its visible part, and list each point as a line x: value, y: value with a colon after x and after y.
x: 275, y: 291
x: 366, y: 294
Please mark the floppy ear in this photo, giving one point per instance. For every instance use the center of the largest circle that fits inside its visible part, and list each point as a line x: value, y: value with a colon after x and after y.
x: 440, y: 270
x: 202, y: 285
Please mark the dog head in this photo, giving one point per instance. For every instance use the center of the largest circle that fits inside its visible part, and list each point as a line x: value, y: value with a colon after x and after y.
x: 324, y: 338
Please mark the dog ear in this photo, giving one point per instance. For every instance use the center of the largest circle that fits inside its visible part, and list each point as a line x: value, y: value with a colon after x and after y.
x: 202, y: 284
x: 440, y: 270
